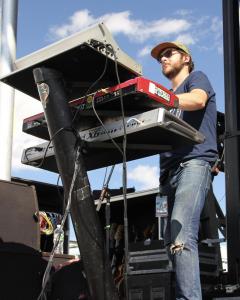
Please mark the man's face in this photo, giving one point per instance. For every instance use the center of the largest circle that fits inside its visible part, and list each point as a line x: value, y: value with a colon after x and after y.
x: 172, y: 62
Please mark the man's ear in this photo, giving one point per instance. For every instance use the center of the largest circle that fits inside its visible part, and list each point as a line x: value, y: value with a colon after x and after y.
x: 186, y: 58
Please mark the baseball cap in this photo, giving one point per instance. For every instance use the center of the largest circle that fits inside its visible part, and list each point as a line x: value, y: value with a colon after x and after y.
x: 157, y: 50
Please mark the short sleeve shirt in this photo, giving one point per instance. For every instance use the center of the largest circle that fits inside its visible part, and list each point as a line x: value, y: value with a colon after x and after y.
x: 204, y: 120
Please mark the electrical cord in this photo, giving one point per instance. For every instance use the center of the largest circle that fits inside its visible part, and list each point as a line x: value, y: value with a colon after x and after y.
x: 42, y: 295
x: 124, y: 176
x: 105, y: 129
x: 93, y: 102
x: 46, y: 149
x: 92, y: 85
x: 46, y: 226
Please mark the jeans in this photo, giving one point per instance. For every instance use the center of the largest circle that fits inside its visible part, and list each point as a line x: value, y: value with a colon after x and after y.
x: 186, y: 187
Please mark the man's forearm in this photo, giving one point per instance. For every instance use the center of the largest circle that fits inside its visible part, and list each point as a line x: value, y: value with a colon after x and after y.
x: 191, y: 101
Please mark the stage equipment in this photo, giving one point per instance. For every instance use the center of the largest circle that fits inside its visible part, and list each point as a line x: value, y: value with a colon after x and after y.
x: 69, y: 283
x: 66, y: 70
x: 148, y: 133
x: 80, y: 59
x: 150, y: 270
x: 19, y: 214
x: 49, y: 199
x: 158, y: 286
x: 75, y: 181
x: 21, y: 272
x: 139, y: 95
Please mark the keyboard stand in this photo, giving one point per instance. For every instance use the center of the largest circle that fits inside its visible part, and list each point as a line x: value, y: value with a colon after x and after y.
x: 87, y: 227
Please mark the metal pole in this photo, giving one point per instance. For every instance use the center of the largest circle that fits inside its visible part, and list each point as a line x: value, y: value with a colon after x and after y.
x: 232, y: 125
x: 85, y: 220
x: 8, y: 56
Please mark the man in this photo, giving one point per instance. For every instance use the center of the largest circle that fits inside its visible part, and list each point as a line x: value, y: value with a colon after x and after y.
x: 185, y: 174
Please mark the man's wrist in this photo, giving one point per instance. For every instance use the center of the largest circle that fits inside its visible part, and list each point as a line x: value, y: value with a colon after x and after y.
x: 176, y: 103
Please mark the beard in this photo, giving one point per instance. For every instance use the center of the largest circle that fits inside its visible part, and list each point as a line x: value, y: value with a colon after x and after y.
x: 170, y: 73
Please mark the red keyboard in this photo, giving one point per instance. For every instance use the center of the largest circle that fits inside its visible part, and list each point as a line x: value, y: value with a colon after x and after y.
x: 138, y: 94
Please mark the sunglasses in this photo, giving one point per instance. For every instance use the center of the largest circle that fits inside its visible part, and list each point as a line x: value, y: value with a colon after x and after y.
x: 167, y: 53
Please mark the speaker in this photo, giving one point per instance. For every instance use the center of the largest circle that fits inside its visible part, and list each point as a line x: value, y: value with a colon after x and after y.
x: 69, y: 283
x: 21, y: 272
x: 18, y: 214
x: 159, y: 286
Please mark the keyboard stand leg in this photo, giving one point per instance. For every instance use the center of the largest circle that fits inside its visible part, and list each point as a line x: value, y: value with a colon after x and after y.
x: 85, y: 220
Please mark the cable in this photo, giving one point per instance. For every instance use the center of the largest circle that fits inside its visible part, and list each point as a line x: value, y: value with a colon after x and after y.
x: 93, y: 103
x: 42, y: 295
x: 46, y: 149
x: 46, y: 226
x: 222, y: 197
x: 124, y: 177
x: 105, y: 129
x: 92, y: 85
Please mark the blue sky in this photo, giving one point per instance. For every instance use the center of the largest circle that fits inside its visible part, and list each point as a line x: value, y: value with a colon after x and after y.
x: 137, y: 27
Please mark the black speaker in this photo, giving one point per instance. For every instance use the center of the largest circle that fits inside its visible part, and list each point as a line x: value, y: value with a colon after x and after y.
x: 21, y: 272
x: 18, y: 221
x: 69, y: 283
x: 158, y: 286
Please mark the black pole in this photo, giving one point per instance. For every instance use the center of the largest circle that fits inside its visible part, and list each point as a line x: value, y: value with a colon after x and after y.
x: 107, y: 227
x: 232, y: 125
x: 85, y: 220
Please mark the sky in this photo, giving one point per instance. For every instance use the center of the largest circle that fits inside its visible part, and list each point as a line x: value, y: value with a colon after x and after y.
x: 137, y: 27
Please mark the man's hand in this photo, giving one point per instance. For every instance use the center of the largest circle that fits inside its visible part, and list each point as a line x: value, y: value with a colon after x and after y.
x: 66, y: 263
x: 194, y: 100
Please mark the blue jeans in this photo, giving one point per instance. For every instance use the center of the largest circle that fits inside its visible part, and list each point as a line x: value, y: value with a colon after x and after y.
x: 186, y: 187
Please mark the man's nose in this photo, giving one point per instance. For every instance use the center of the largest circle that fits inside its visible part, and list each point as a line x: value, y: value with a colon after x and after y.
x: 163, y: 59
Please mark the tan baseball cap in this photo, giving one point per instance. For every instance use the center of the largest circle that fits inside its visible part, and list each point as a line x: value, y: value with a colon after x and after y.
x: 157, y: 50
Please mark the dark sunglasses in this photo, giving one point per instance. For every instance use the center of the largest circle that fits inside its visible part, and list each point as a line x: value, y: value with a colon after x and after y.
x: 168, y: 53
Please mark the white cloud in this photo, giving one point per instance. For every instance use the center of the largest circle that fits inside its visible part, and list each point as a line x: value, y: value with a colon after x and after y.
x: 145, y: 175
x: 204, y: 32
x: 78, y: 21
x: 165, y: 27
x: 122, y: 23
x: 186, y: 38
x: 24, y: 107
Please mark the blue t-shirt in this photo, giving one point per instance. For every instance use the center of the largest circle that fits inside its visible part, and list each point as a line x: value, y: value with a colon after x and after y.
x: 204, y: 120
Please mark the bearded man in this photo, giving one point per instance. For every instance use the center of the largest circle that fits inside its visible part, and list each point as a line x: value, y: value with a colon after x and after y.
x: 185, y: 174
